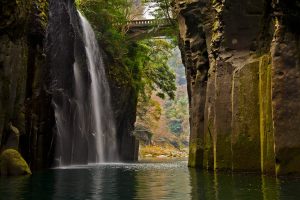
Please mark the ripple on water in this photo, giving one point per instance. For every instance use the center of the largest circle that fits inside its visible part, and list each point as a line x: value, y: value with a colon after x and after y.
x: 144, y: 180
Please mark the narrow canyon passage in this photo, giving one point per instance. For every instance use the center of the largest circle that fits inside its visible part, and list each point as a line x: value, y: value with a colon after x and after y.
x: 158, y: 99
x: 162, y: 126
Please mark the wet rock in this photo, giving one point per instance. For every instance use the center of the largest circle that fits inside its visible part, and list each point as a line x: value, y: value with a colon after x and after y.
x: 12, y: 164
x: 244, y: 91
x: 13, y: 137
x: 24, y: 103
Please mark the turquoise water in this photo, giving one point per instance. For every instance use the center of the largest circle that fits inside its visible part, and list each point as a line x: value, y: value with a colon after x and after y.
x: 165, y: 180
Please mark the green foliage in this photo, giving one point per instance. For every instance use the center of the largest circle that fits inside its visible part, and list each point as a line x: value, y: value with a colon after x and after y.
x: 148, y: 109
x: 146, y: 62
x: 175, y: 62
x: 176, y: 127
x: 161, y: 8
x: 109, y: 21
x: 177, y: 109
x: 154, y: 69
x: 148, y: 112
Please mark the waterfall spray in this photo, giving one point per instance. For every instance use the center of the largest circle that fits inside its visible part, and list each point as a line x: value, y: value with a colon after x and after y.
x: 85, y: 123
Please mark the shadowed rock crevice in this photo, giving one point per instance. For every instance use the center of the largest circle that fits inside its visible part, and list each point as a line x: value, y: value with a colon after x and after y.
x: 195, y: 58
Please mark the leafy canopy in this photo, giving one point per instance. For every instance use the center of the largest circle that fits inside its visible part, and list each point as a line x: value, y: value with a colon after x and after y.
x: 161, y: 8
x: 146, y: 61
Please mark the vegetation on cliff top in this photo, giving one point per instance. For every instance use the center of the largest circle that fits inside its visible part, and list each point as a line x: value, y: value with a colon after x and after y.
x: 146, y: 61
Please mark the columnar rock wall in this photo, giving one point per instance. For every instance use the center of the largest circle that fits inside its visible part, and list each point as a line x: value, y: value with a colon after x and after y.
x: 36, y: 37
x: 24, y: 104
x: 242, y: 66
x: 64, y: 43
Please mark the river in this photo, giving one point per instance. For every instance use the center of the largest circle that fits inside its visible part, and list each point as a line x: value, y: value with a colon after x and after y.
x: 144, y: 180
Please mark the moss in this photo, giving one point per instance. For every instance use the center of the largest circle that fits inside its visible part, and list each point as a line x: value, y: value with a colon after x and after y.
x: 39, y: 17
x: 223, y: 116
x: 266, y: 188
x: 246, y: 128
x: 196, y: 153
x: 218, y: 27
x: 119, y: 75
x: 266, y: 121
x: 12, y: 164
x: 223, y: 160
x: 208, y: 154
x: 209, y: 119
x: 14, y: 130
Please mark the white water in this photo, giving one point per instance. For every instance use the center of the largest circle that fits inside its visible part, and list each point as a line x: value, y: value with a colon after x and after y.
x: 85, y: 124
x: 100, y: 94
x: 98, y: 85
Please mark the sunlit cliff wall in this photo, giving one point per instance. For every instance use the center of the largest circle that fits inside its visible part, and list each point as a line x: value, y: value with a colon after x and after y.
x: 242, y: 62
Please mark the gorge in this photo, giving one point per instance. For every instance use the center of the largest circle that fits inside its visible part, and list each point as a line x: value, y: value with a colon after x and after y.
x: 70, y: 84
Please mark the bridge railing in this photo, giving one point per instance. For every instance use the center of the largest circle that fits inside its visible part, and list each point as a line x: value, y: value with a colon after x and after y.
x: 149, y: 22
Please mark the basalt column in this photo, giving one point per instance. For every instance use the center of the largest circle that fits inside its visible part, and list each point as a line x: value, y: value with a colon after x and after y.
x: 25, y: 111
x: 195, y: 59
x: 286, y: 84
x: 248, y: 120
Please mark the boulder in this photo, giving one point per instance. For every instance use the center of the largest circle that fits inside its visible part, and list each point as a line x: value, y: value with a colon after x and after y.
x: 13, y: 164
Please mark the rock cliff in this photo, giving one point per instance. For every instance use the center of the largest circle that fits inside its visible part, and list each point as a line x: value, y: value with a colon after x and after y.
x: 38, y: 40
x: 242, y: 66
x: 64, y: 28
x: 24, y: 111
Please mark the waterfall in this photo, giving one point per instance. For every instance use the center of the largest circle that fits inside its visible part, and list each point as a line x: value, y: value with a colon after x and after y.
x: 85, y: 124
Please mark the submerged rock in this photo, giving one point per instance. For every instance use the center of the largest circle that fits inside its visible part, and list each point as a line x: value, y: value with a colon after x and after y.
x: 13, y: 164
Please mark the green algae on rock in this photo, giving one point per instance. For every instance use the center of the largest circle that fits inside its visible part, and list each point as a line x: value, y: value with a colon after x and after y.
x: 12, y: 164
x: 251, y: 112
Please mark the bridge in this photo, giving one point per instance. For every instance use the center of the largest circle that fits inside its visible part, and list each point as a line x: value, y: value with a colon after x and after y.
x: 139, y: 29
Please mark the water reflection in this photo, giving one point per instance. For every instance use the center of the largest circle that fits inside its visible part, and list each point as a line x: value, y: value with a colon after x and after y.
x: 17, y: 184
x: 169, y: 180
x: 219, y: 186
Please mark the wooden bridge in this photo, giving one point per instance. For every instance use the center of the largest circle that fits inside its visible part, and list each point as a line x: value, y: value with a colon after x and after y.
x: 139, y: 29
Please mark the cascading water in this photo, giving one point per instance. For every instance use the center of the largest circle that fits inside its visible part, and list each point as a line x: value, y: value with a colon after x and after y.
x: 85, y: 126
x: 103, y: 121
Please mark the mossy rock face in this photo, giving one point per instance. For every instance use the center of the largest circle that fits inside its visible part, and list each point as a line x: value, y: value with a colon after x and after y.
x: 245, y: 144
x: 12, y: 164
x: 14, y: 15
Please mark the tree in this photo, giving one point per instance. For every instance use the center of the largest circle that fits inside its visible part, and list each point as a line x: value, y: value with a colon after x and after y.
x: 109, y: 20
x: 162, y: 8
x: 146, y: 61
x: 156, y: 74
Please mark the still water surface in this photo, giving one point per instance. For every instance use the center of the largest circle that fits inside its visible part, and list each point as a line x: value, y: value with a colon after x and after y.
x: 164, y: 180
